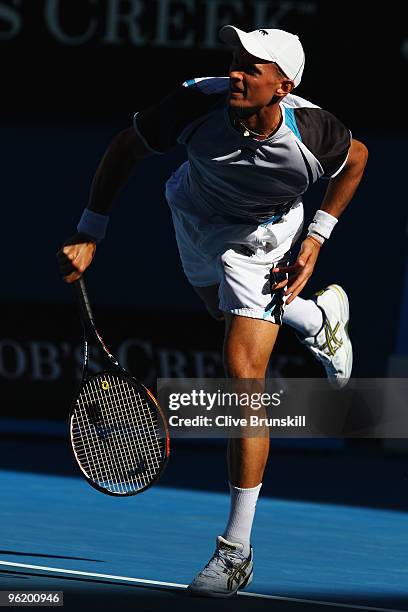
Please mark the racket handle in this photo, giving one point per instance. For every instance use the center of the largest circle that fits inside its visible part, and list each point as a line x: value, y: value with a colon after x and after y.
x: 84, y: 305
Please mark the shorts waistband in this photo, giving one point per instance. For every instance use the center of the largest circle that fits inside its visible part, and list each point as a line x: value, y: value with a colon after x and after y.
x: 274, y: 218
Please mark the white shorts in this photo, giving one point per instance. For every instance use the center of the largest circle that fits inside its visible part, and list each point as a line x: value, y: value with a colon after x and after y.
x: 238, y: 257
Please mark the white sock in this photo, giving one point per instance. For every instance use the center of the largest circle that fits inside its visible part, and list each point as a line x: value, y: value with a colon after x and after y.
x: 242, y: 512
x: 304, y: 315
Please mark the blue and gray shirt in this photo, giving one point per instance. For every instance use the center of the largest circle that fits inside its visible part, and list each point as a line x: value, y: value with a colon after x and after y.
x: 236, y: 176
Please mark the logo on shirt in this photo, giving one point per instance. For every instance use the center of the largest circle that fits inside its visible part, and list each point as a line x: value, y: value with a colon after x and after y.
x: 264, y: 32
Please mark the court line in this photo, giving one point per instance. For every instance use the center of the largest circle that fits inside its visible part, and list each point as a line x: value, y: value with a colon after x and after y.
x: 177, y: 585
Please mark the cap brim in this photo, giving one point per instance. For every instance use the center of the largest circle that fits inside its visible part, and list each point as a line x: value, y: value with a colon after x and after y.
x: 234, y: 37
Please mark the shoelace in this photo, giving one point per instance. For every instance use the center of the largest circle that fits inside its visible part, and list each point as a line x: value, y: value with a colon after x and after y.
x: 225, y: 561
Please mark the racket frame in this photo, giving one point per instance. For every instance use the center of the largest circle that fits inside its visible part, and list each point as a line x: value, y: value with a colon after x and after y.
x: 89, y: 330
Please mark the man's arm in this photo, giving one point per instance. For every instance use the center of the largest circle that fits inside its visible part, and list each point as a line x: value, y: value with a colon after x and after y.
x: 113, y: 172
x: 338, y: 195
x: 115, y: 168
x: 342, y: 187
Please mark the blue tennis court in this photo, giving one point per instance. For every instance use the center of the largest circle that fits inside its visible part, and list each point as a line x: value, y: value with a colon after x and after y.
x: 140, y: 552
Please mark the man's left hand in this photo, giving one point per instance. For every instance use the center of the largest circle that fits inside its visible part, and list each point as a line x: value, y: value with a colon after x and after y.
x: 300, y: 272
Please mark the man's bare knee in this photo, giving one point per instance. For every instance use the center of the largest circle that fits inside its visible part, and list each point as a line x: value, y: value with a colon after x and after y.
x: 243, y: 367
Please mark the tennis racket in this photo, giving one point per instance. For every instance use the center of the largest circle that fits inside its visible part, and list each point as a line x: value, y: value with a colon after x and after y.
x: 119, y: 435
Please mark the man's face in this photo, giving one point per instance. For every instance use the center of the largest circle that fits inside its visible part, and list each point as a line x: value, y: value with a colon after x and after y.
x: 253, y: 82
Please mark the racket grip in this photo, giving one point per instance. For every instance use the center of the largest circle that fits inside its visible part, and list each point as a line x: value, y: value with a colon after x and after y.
x: 84, y: 305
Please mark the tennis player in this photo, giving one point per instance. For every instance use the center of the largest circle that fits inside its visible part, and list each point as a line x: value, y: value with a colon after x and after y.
x: 253, y: 150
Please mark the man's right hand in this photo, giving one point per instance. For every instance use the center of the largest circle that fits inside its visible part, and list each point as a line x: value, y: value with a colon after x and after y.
x: 75, y: 256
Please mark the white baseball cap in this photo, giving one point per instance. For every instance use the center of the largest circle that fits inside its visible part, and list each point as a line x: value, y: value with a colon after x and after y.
x: 277, y: 46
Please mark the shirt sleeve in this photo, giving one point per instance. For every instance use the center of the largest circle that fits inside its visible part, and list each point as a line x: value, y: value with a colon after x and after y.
x: 326, y: 137
x: 161, y: 125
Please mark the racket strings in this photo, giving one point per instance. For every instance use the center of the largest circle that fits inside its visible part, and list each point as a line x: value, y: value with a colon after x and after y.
x: 128, y: 462
x: 97, y: 454
x: 116, y: 435
x: 118, y: 454
x: 115, y: 455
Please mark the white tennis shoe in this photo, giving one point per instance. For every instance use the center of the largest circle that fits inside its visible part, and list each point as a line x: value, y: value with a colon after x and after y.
x: 332, y: 345
x: 227, y: 571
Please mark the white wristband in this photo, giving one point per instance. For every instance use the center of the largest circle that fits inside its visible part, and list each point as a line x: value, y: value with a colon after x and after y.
x: 322, y: 225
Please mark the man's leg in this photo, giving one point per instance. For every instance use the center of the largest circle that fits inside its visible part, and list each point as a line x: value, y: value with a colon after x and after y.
x: 247, y: 349
x: 304, y: 316
x: 322, y: 325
